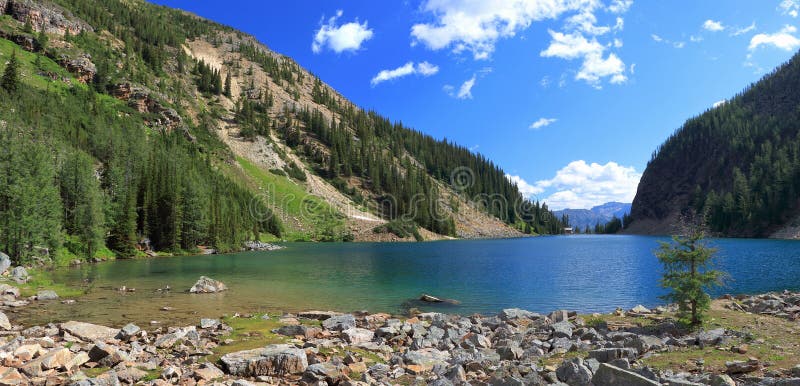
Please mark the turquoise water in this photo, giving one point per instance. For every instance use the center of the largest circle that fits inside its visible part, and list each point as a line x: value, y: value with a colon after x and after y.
x: 583, y: 273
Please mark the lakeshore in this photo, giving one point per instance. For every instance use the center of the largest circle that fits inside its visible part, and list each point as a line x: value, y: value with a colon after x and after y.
x: 748, y: 340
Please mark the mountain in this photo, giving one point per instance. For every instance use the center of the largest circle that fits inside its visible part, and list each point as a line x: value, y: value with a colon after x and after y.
x: 736, y: 166
x: 601, y: 214
x: 128, y: 126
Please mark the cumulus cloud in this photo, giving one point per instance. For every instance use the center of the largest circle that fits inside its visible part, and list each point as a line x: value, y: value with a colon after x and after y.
x: 790, y: 7
x: 783, y: 39
x: 581, y: 185
x: 524, y: 187
x: 713, y: 26
x: 340, y: 38
x: 720, y: 103
x: 595, y: 65
x: 542, y: 122
x: 422, y: 68
x: 620, y: 6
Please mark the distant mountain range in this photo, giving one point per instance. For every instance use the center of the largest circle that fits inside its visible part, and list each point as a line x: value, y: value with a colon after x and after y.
x: 581, y: 218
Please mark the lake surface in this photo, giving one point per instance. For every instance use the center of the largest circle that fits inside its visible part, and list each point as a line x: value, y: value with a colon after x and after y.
x: 583, y: 273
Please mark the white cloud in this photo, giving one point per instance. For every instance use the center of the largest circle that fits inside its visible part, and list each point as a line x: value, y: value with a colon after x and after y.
x: 744, y: 30
x: 542, y: 122
x: 783, y: 39
x: 620, y: 6
x: 720, y: 103
x: 713, y: 26
x: 465, y: 91
x: 695, y: 38
x: 545, y: 82
x: 580, y: 185
x: 676, y: 44
x: 524, y: 187
x: 657, y: 38
x: 595, y: 66
x: 345, y: 37
x: 422, y: 68
x: 790, y: 7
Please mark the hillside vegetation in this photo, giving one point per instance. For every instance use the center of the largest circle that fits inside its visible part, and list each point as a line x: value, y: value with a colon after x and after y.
x: 129, y: 127
x: 736, y: 166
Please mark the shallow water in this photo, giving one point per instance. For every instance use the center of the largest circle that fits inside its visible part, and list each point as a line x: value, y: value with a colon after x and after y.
x: 583, y: 273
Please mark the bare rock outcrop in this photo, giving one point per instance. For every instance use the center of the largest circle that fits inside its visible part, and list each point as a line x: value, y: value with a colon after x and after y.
x: 44, y: 15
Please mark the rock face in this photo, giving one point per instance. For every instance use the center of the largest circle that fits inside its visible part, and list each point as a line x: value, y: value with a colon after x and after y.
x: 52, y: 18
x: 143, y: 101
x: 89, y: 332
x: 278, y: 359
x: 82, y: 67
x: 206, y: 285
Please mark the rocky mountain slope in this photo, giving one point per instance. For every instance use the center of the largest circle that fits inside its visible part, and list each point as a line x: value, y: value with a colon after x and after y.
x: 199, y: 136
x: 735, y: 167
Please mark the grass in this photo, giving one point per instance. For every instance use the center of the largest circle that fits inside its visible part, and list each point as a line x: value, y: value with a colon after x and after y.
x: 29, y: 73
x: 248, y: 334
x: 324, y: 221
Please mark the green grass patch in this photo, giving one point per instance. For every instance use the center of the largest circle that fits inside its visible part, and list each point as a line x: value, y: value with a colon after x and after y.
x: 42, y: 280
x: 248, y: 334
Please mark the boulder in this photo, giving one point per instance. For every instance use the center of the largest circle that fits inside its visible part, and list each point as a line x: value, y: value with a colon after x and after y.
x: 574, y: 373
x: 426, y: 358
x: 209, y: 323
x: 430, y: 298
x: 558, y: 316
x: 88, y: 332
x: 10, y: 290
x: 5, y: 263
x: 608, y: 375
x: 711, y: 337
x: 516, y: 313
x: 742, y: 367
x: 605, y: 355
x: 20, y: 275
x: 208, y: 372
x: 277, y: 359
x: 640, y: 309
x: 5, y: 324
x: 339, y: 322
x: 46, y: 295
x: 326, y: 373
x: 128, y: 332
x: 317, y: 315
x: 206, y: 285
x: 562, y: 329
x: 298, y: 330
x: 357, y: 335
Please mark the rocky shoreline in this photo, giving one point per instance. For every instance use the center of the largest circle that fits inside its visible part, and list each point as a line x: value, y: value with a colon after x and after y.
x: 514, y: 347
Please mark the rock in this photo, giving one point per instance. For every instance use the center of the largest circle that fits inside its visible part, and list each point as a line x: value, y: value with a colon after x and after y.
x: 711, y: 338
x: 10, y: 290
x: 128, y: 332
x: 131, y: 375
x: 298, y: 330
x: 574, y: 373
x: 20, y: 275
x: 722, y: 380
x: 562, y: 329
x: 742, y: 367
x: 430, y: 299
x: 510, y: 352
x: 477, y: 340
x: 357, y: 335
x: 426, y: 358
x: 5, y: 324
x: 100, y: 350
x: 78, y: 360
x: 46, y: 295
x: 206, y: 285
x: 242, y: 382
x: 516, y: 313
x: 11, y: 376
x: 640, y: 309
x: 608, y: 375
x: 5, y: 263
x: 59, y: 358
x: 317, y: 315
x: 209, y: 323
x: 277, y: 359
x: 605, y: 355
x: 82, y: 67
x: 326, y: 373
x: 88, y: 332
x: 558, y: 316
x: 339, y: 322
x: 208, y: 372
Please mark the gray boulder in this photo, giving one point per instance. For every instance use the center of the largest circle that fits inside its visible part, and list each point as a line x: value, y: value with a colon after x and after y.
x: 89, y: 332
x: 605, y: 355
x: 516, y: 313
x: 339, y: 322
x: 5, y: 324
x: 711, y: 337
x: 46, y: 295
x: 562, y: 329
x: 5, y: 263
x: 357, y: 335
x: 206, y: 285
x: 129, y: 331
x: 574, y: 373
x: 20, y: 275
x: 276, y: 359
x: 608, y: 375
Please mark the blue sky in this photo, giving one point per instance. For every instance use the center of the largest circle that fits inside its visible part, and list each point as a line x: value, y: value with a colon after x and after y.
x: 570, y: 97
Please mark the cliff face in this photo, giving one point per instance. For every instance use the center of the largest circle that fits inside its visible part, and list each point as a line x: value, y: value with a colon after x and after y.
x: 735, y: 167
x: 41, y: 15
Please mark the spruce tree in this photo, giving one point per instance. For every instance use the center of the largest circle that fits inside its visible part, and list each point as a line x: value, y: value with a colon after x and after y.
x: 228, y: 85
x: 10, y: 80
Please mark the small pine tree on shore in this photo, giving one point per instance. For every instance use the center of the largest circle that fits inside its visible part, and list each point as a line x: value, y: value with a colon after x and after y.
x: 688, y: 275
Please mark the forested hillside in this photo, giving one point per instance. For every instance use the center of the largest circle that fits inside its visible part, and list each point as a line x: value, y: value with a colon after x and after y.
x: 127, y: 127
x: 736, y: 166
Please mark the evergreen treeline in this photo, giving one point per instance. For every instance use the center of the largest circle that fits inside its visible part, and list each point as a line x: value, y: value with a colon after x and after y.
x: 77, y: 169
x: 737, y: 165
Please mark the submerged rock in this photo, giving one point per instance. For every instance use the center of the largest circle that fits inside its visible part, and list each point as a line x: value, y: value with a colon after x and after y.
x: 206, y: 285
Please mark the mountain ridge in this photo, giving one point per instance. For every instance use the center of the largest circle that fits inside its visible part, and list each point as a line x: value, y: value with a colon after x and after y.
x: 599, y: 214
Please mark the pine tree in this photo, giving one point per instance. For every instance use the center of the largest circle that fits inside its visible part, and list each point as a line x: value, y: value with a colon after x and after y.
x: 10, y: 80
x: 688, y: 275
x: 228, y: 85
